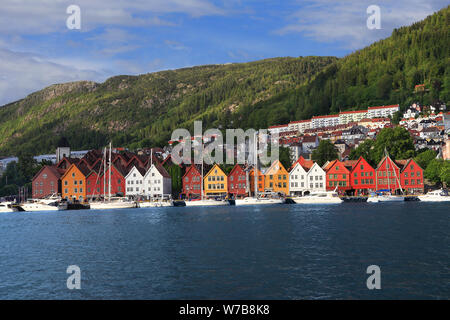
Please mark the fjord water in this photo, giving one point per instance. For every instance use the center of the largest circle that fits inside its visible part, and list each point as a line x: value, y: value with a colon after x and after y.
x: 274, y: 252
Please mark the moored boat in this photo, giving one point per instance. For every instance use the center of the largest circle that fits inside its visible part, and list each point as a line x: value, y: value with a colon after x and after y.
x: 435, y: 196
x: 257, y: 201
x: 326, y: 197
x: 113, y: 203
x: 7, y: 207
x: 384, y: 197
x: 164, y: 201
x: 206, y: 203
x: 50, y: 204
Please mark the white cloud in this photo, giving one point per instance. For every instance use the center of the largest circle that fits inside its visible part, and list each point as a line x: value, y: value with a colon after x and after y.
x: 344, y: 21
x: 44, y: 16
x: 175, y: 45
x: 22, y: 73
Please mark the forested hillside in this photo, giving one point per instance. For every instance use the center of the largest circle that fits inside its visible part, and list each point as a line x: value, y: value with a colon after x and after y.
x: 384, y: 73
x: 142, y: 111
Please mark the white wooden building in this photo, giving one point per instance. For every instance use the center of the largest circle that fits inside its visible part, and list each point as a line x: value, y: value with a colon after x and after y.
x: 157, y: 182
x: 316, y: 179
x: 298, y: 178
x: 135, y: 182
x: 303, y: 181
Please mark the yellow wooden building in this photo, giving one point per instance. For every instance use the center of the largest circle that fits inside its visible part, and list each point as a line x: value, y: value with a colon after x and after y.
x: 215, y: 182
x: 277, y: 178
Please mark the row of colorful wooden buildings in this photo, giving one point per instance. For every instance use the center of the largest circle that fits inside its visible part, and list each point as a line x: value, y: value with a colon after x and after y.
x: 148, y: 176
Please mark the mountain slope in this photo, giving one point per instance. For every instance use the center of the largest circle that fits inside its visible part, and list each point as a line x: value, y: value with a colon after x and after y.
x: 143, y: 110
x: 384, y: 73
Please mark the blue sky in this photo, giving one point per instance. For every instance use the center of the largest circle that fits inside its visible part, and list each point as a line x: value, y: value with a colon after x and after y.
x: 141, y: 36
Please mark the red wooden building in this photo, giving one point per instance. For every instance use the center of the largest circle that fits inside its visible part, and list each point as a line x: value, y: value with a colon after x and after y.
x: 94, y: 181
x: 237, y: 182
x: 337, y: 176
x: 388, y: 175
x: 192, y: 181
x: 411, y: 177
x: 47, y: 182
x: 362, y: 177
x: 118, y: 174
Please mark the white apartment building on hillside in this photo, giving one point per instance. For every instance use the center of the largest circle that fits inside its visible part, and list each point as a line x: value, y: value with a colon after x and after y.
x: 383, y: 111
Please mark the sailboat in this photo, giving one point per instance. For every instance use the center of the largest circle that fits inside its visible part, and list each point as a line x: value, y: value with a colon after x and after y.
x: 386, y: 195
x: 202, y: 202
x: 257, y: 199
x: 112, y: 202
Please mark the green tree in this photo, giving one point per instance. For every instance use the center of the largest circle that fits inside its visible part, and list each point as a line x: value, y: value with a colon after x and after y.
x: 433, y: 171
x: 326, y: 151
x: 424, y: 158
x: 445, y: 173
x: 364, y: 150
x: 285, y: 158
x: 397, y: 141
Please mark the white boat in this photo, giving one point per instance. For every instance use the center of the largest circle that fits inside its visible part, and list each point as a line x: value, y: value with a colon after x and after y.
x: 164, y: 202
x: 206, y: 202
x: 113, y: 203
x: 387, y: 197
x: 326, y: 197
x: 6, y: 207
x: 249, y: 201
x: 435, y: 196
x: 50, y: 204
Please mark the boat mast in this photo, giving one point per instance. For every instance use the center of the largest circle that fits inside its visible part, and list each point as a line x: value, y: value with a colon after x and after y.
x: 201, y: 184
x: 151, y: 165
x: 104, y: 174
x: 109, y: 173
x: 255, y: 168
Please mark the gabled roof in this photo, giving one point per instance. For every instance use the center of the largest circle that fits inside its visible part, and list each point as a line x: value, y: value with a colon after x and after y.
x: 275, y: 167
x: 236, y: 168
x: 215, y: 166
x: 306, y: 164
x: 160, y: 169
x: 53, y: 169
x: 391, y: 161
x: 82, y: 168
x: 192, y: 167
x: 134, y: 168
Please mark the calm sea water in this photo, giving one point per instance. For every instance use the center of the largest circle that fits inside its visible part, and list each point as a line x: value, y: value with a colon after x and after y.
x: 276, y: 252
